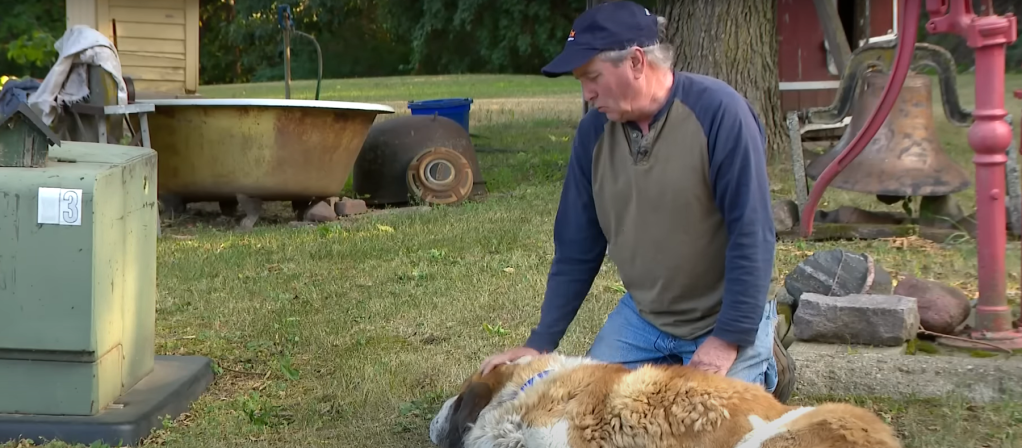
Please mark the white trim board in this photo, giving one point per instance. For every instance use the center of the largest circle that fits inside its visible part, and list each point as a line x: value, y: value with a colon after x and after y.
x: 809, y: 85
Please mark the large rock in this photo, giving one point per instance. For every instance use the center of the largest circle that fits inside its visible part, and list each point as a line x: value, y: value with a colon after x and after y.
x: 348, y: 207
x: 322, y: 211
x: 785, y: 214
x: 837, y: 272
x: 859, y: 319
x: 942, y: 308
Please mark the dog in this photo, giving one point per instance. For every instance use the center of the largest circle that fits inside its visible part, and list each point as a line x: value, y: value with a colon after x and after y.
x: 558, y: 401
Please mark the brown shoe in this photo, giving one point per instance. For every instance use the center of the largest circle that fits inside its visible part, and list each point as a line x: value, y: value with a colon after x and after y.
x: 785, y: 371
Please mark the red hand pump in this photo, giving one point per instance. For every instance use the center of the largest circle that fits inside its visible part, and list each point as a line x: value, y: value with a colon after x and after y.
x: 989, y: 137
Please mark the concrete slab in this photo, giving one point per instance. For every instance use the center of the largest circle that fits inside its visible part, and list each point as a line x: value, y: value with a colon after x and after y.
x: 845, y: 370
x: 175, y: 383
x: 839, y: 349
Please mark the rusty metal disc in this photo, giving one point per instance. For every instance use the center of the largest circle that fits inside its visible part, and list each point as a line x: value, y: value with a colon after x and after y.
x: 440, y: 176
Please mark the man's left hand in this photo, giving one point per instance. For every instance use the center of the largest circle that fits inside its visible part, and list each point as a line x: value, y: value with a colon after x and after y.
x: 714, y: 356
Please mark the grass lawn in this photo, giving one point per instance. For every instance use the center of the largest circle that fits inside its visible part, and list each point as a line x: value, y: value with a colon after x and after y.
x: 353, y: 335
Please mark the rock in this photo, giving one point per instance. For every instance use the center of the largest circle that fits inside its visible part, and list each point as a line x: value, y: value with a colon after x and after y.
x: 348, y: 207
x: 785, y: 214
x: 838, y: 272
x: 860, y: 319
x: 784, y: 299
x: 320, y: 212
x: 942, y: 308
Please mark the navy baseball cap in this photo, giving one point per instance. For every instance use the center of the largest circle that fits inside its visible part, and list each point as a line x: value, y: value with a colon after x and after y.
x: 607, y: 27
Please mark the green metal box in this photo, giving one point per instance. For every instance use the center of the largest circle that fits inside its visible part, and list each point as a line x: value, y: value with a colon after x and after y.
x: 77, y: 278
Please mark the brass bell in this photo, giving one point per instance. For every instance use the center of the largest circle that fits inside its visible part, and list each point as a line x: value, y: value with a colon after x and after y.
x: 905, y: 157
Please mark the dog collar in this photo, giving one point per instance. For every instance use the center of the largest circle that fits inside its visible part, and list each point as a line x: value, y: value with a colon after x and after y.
x: 535, y: 378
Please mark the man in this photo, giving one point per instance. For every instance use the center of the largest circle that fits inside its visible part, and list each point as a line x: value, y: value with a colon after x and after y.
x: 667, y: 176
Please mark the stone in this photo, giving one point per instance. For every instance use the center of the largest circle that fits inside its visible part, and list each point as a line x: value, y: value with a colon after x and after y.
x: 348, y: 207
x: 320, y: 212
x: 942, y: 308
x: 783, y: 298
x: 856, y: 319
x: 785, y: 214
x: 837, y: 272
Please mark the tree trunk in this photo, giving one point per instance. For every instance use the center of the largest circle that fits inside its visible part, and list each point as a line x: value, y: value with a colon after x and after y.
x: 725, y: 39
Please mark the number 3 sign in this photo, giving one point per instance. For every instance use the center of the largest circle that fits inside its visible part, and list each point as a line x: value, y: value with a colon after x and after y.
x: 60, y: 206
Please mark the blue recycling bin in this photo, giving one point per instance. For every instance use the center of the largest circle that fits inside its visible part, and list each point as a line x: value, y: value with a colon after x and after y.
x: 457, y: 109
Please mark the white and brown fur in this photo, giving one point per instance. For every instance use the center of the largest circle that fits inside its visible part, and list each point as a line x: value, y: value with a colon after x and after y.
x: 583, y: 403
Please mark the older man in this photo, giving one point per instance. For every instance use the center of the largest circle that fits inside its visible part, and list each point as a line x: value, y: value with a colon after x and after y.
x: 668, y: 172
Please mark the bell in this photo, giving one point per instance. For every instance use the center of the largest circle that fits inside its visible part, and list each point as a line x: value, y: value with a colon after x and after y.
x: 904, y: 158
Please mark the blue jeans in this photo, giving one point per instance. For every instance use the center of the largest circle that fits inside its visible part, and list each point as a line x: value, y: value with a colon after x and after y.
x: 629, y: 339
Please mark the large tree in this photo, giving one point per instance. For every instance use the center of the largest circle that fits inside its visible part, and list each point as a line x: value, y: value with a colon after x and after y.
x: 735, y: 41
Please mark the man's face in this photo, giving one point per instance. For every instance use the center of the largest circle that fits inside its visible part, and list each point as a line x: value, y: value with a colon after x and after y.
x: 611, y: 89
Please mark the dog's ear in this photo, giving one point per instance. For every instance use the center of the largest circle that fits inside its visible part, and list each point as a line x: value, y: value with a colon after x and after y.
x: 465, y: 411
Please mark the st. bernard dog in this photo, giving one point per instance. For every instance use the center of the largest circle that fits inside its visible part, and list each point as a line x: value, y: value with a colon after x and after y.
x: 557, y: 401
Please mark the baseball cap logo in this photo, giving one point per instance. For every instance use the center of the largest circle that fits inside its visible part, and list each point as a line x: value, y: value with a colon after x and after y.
x: 571, y: 36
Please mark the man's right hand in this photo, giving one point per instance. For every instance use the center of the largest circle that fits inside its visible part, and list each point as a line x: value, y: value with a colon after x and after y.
x: 506, y: 357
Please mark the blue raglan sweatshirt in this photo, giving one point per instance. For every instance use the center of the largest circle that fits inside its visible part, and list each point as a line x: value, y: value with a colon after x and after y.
x: 712, y: 144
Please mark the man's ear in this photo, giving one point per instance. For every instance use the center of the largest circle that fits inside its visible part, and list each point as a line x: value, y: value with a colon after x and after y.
x: 465, y: 411
x: 637, y: 61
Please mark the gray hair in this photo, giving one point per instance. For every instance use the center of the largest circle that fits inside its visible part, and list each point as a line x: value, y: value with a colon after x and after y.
x: 660, y: 53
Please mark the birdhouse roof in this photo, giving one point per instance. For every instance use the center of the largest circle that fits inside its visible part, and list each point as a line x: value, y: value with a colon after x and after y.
x: 33, y: 118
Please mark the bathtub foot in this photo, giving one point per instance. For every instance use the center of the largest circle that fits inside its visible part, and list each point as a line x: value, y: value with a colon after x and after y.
x: 253, y: 208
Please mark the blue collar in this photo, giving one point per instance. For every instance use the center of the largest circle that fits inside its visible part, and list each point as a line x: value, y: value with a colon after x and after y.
x: 533, y: 380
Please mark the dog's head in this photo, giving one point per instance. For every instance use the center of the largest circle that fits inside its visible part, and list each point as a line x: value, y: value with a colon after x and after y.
x: 451, y: 424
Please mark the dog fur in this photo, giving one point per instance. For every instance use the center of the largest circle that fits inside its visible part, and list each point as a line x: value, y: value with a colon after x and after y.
x: 556, y: 401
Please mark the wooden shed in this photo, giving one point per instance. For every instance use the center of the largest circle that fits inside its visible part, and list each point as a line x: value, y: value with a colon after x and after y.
x: 807, y: 77
x: 157, y: 40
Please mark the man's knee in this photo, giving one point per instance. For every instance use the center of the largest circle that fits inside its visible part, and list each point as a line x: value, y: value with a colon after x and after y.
x: 626, y: 337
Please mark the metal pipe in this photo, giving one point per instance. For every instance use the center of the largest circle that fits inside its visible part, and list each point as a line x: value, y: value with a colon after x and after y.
x: 287, y: 62
x: 286, y: 23
x: 989, y: 136
x: 319, y: 55
x: 903, y: 58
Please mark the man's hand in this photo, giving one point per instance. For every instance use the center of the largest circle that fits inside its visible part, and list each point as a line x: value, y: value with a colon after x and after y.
x: 714, y: 356
x: 506, y: 357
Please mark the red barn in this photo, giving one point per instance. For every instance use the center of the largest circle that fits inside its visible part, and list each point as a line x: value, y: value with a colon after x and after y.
x: 807, y: 77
